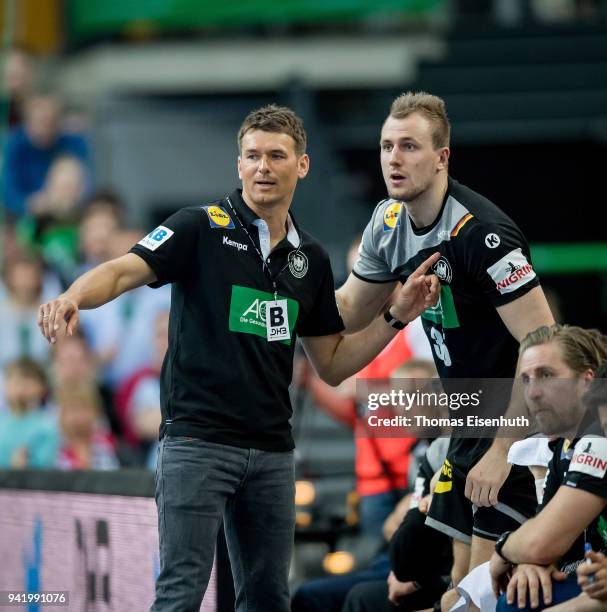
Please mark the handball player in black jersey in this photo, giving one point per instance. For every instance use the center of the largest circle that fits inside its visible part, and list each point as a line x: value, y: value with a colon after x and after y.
x: 490, y: 298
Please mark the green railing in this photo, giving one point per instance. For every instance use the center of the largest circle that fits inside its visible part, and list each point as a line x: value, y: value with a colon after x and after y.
x: 569, y: 258
x: 88, y: 18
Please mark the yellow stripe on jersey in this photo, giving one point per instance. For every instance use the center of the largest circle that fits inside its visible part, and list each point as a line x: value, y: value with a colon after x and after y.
x: 461, y: 224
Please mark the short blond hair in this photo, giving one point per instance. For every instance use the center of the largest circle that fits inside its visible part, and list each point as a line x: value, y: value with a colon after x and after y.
x: 431, y: 107
x: 278, y: 119
x: 582, y: 349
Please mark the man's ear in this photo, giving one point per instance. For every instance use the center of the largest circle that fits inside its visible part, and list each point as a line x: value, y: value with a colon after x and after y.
x: 238, y: 163
x: 303, y: 166
x: 443, y: 158
x: 587, y: 376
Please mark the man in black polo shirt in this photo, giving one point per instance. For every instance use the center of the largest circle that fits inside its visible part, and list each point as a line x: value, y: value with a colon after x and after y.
x: 245, y: 282
x: 557, y: 365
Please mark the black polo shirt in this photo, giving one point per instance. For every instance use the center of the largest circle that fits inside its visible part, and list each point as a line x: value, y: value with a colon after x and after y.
x: 221, y: 379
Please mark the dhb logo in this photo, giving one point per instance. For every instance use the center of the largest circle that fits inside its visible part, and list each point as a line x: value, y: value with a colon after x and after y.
x: 158, y: 234
x: 277, y: 322
x: 157, y: 237
x: 276, y: 316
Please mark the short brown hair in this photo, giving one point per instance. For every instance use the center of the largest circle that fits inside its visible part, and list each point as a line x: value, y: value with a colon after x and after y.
x: 583, y: 349
x: 274, y: 118
x: 431, y: 107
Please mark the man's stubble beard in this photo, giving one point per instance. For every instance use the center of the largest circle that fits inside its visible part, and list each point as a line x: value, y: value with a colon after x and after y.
x: 412, y: 193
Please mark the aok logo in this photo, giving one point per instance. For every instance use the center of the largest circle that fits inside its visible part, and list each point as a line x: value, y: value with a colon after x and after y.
x: 249, y: 312
x: 258, y: 311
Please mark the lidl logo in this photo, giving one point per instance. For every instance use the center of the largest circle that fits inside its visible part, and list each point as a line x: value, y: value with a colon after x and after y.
x: 248, y: 312
x: 218, y: 217
x: 392, y: 216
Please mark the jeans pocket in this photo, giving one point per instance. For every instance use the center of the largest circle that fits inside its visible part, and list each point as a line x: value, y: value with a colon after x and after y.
x: 179, y: 439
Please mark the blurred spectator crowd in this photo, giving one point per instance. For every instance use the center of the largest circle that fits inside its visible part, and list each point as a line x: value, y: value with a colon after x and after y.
x: 92, y: 400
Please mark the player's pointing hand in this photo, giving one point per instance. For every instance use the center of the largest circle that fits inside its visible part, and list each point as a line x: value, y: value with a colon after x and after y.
x: 421, y: 291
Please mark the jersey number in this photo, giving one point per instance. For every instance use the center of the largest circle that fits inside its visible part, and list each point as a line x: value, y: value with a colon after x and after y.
x: 440, y: 348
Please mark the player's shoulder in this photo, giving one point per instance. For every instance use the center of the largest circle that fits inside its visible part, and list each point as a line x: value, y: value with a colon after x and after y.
x: 483, y: 220
x: 386, y: 214
x: 590, y: 456
x: 181, y: 228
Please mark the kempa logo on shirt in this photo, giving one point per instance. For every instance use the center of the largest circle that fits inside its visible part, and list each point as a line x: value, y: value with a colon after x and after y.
x: 248, y: 308
x: 157, y: 237
x: 511, y: 272
x: 590, y: 457
x: 236, y: 245
x: 492, y: 240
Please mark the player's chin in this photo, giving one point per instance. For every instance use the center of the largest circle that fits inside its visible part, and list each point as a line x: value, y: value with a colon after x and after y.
x: 402, y: 194
x: 265, y: 197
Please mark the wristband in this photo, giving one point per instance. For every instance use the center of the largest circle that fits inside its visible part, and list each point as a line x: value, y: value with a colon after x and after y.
x: 392, y: 322
x: 500, y: 544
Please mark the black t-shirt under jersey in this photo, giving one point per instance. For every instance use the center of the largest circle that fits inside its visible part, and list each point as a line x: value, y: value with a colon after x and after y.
x: 221, y: 379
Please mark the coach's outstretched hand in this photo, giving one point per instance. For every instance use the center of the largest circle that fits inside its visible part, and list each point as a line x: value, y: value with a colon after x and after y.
x: 420, y: 292
x: 58, y: 317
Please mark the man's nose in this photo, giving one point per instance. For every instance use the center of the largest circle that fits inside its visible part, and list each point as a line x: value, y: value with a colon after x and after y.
x: 534, y: 389
x: 263, y: 164
x: 395, y: 159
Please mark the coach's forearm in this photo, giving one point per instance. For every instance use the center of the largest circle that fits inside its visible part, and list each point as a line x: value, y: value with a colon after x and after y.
x: 355, y: 351
x: 97, y: 286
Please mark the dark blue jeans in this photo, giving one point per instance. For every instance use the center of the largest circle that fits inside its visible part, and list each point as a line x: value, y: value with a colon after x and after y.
x: 561, y: 592
x: 375, y: 509
x: 198, y: 483
x: 328, y: 594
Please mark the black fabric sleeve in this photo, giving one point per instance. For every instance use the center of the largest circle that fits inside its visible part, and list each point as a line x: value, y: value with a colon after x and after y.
x: 588, y: 466
x: 323, y: 319
x: 170, y: 250
x: 498, y: 259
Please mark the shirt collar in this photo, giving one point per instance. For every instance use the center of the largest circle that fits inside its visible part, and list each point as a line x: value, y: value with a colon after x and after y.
x: 248, y: 218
